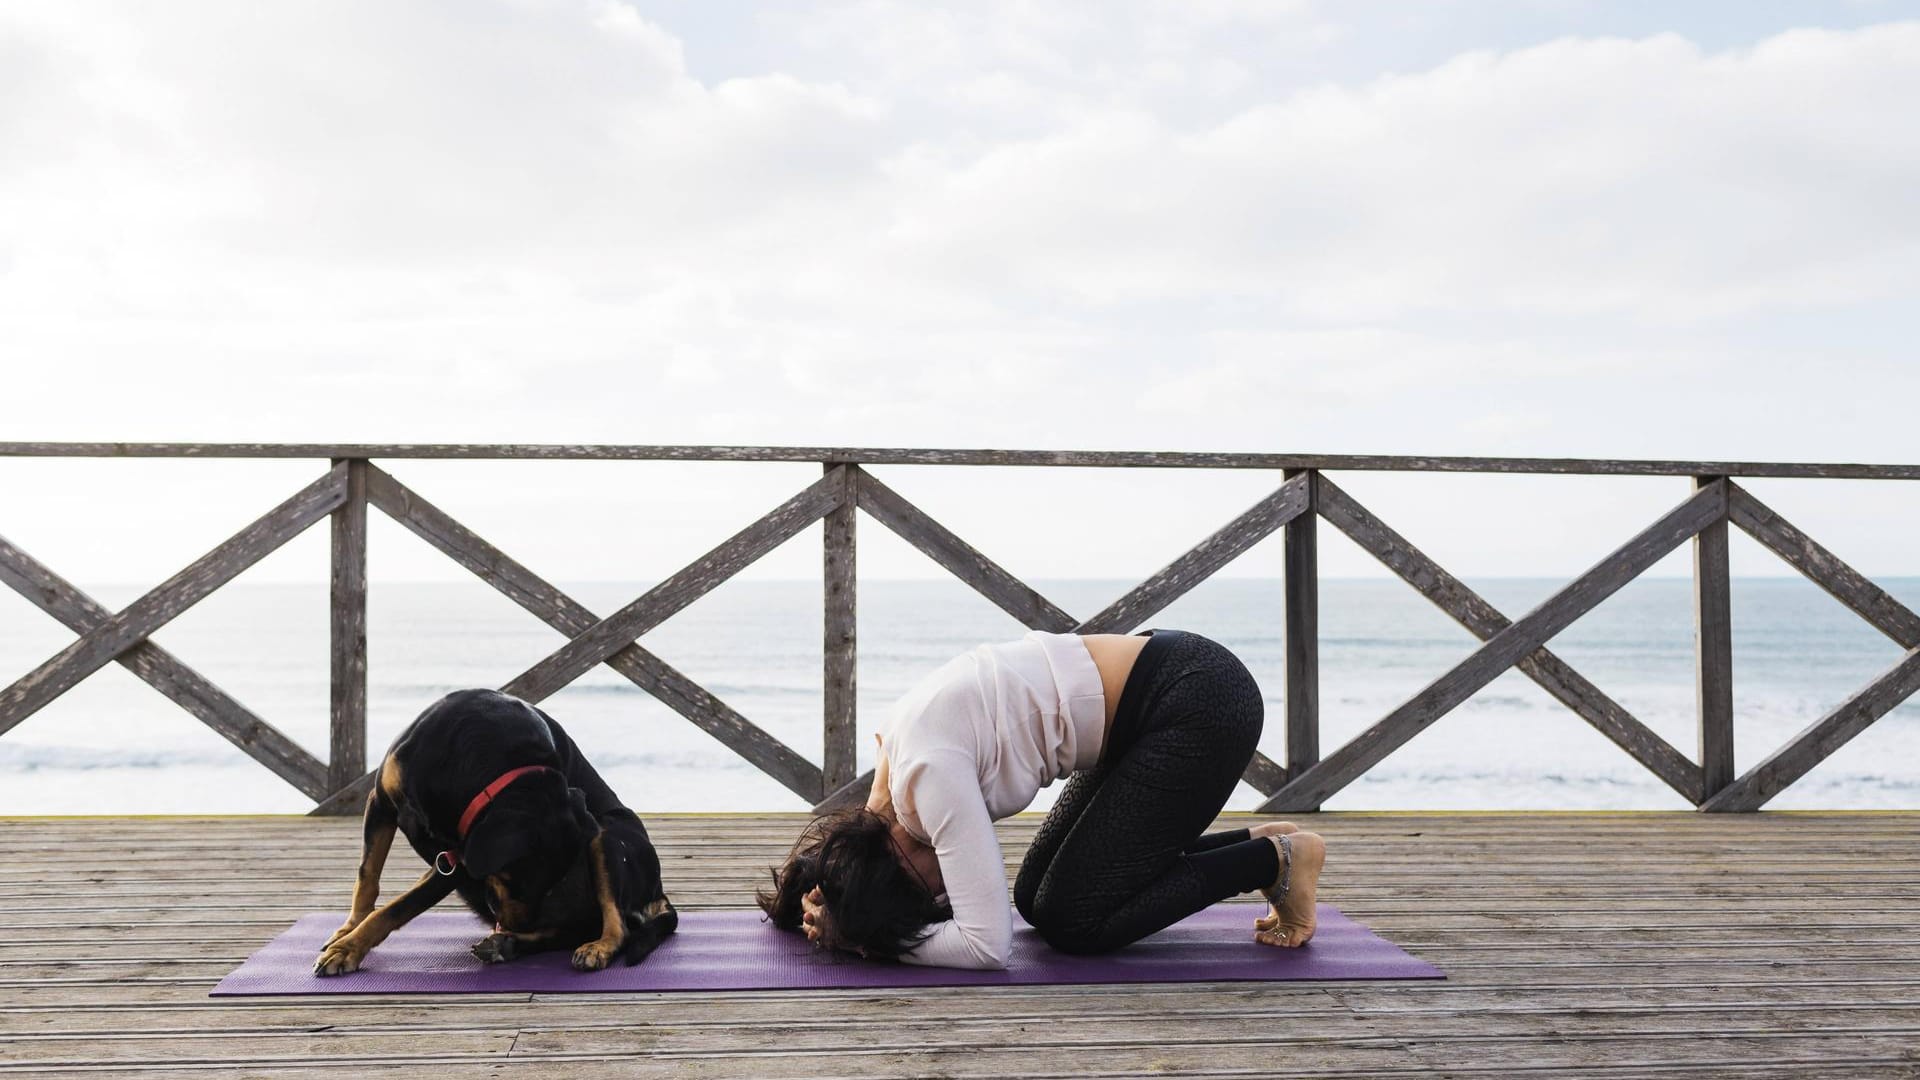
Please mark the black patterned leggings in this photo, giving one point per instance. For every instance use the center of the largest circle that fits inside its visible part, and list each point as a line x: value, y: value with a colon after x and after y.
x: 1122, y: 854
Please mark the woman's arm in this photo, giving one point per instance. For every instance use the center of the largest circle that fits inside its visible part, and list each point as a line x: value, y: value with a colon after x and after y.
x: 947, y: 800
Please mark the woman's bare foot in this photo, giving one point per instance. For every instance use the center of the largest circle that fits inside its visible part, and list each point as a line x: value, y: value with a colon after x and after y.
x: 1289, y: 920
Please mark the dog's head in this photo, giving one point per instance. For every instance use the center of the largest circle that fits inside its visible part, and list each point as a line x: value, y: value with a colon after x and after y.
x: 525, y: 842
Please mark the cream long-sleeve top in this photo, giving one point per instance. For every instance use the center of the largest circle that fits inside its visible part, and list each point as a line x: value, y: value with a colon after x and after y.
x: 974, y: 742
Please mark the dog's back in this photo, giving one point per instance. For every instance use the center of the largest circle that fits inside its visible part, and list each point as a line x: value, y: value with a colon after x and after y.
x: 455, y: 747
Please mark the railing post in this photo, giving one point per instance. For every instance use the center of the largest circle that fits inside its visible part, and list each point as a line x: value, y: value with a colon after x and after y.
x: 1713, y: 651
x: 347, y: 756
x: 839, y: 745
x: 1302, y: 603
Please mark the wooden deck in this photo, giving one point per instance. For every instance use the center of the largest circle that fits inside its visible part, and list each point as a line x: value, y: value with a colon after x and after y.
x: 1619, y: 945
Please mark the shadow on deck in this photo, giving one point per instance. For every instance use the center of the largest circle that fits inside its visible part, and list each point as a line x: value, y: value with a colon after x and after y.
x: 1575, y: 944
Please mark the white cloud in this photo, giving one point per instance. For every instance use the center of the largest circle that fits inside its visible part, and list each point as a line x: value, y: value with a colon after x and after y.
x: 427, y: 158
x: 296, y: 154
x: 1014, y: 224
x: 1634, y: 177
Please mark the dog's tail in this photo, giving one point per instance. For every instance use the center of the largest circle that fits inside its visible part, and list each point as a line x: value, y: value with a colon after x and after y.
x: 647, y: 928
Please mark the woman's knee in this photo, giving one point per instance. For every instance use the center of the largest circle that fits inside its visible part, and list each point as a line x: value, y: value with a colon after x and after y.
x: 1065, y: 925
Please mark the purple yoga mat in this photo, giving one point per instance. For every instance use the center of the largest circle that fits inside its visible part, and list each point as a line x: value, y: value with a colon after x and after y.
x: 738, y: 950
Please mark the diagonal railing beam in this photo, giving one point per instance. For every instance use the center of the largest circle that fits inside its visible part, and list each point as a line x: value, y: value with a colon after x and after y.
x: 1483, y: 620
x: 1823, y: 568
x: 620, y: 629
x: 852, y: 793
x: 1174, y: 580
x: 1503, y: 651
x: 959, y: 558
x: 1820, y: 739
x: 116, y: 634
x: 560, y: 611
x: 164, y: 672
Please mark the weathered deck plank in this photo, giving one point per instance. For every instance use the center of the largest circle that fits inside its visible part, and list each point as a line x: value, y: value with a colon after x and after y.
x: 1581, y: 944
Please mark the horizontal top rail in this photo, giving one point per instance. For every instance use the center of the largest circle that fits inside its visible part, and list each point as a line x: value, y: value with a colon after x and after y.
x: 1138, y: 459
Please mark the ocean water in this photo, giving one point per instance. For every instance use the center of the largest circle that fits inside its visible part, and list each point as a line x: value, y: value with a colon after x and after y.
x: 112, y: 745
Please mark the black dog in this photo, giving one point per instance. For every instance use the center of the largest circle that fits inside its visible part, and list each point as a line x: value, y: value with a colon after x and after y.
x: 503, y: 806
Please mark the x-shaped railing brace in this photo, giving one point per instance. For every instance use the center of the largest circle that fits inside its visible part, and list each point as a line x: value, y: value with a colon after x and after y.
x: 123, y: 636
x: 1508, y: 644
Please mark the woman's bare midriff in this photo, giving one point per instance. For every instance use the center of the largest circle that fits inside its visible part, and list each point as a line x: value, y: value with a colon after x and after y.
x: 1114, y: 655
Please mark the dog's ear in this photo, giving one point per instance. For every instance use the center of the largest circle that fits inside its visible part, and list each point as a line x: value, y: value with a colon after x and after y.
x: 502, y: 835
x: 584, y: 823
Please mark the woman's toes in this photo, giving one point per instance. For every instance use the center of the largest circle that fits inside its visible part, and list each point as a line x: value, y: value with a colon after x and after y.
x: 1272, y: 828
x: 1283, y: 933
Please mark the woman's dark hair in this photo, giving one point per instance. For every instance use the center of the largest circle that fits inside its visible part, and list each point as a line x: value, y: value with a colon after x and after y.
x: 877, y: 906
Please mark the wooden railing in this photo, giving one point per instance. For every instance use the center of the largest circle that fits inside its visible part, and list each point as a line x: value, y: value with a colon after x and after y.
x: 1304, y: 496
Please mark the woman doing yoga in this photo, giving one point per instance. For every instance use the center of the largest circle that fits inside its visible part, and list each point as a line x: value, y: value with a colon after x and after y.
x: 1155, y: 730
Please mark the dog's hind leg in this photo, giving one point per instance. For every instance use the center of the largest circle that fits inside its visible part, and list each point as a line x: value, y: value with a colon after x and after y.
x: 647, y: 928
x: 345, y: 953
x: 376, y: 840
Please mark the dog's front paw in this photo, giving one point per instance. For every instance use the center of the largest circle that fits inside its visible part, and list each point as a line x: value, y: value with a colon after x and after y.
x: 345, y: 929
x: 339, y: 958
x: 594, y: 955
x: 496, y: 948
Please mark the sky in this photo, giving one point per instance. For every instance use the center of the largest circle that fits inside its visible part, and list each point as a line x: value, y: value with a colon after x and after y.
x: 1504, y: 228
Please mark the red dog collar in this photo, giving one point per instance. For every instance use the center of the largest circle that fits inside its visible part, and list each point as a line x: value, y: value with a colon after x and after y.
x: 446, y: 862
x: 492, y: 790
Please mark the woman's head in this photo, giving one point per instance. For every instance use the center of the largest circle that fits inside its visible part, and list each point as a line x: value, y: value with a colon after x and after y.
x: 876, y: 906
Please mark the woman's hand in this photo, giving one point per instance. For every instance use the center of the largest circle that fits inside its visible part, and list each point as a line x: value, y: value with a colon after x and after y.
x: 813, y: 915
x: 818, y: 923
